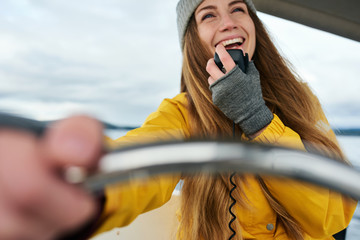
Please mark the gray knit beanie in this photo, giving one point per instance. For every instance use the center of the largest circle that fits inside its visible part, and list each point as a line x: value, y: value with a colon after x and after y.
x: 185, y: 9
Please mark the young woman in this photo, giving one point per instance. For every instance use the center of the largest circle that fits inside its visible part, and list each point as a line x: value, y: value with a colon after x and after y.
x: 267, y: 104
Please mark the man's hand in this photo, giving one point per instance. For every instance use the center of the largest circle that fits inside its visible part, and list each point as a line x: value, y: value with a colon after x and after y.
x: 35, y: 200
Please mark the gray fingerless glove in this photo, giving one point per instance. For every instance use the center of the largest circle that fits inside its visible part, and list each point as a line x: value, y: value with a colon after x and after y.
x: 239, y: 97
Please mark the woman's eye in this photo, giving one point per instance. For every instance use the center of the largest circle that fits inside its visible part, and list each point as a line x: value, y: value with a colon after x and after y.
x: 239, y: 9
x: 209, y: 15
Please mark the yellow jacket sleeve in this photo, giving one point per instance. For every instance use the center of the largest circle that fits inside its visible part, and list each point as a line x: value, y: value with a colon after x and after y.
x: 125, y: 202
x: 320, y: 212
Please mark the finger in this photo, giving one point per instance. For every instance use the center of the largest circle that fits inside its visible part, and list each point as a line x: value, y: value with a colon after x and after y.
x: 18, y: 165
x: 61, y: 205
x: 74, y: 141
x: 211, y: 80
x: 14, y: 225
x: 70, y: 207
x: 213, y: 69
x: 225, y: 57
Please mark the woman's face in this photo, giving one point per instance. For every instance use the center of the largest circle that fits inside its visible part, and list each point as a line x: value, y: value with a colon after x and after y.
x: 226, y: 22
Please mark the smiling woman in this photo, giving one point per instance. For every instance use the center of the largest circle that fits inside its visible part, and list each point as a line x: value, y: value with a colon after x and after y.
x: 228, y: 94
x: 267, y: 104
x: 211, y: 20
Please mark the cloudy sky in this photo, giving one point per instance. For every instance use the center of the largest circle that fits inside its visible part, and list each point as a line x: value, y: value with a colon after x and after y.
x: 117, y: 59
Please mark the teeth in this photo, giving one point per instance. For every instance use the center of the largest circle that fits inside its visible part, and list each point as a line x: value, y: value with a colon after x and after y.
x: 232, y: 41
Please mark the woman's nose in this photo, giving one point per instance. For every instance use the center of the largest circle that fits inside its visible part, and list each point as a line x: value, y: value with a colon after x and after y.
x: 227, y: 23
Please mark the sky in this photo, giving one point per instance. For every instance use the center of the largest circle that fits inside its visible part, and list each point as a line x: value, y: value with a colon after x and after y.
x: 116, y: 60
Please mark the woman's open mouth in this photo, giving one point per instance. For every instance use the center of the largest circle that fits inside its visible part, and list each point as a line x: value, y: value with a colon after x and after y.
x: 233, y: 43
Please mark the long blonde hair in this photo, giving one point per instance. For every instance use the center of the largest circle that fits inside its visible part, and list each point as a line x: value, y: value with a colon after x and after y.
x: 205, y: 198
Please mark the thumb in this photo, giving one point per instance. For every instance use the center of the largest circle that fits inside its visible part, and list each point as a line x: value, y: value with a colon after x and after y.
x: 74, y: 141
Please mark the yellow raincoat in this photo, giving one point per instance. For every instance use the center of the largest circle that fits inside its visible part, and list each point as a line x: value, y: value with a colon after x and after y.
x: 320, y: 212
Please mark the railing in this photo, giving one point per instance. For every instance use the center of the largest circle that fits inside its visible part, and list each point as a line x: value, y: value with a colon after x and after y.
x: 213, y: 156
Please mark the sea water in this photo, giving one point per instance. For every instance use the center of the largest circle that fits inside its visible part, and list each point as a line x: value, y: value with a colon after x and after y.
x: 351, y: 147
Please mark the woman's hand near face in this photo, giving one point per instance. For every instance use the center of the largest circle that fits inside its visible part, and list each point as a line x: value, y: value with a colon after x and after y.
x: 36, y: 202
x: 239, y: 95
x: 212, y: 68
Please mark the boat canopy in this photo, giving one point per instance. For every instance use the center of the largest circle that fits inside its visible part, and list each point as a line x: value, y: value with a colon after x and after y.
x: 340, y: 17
